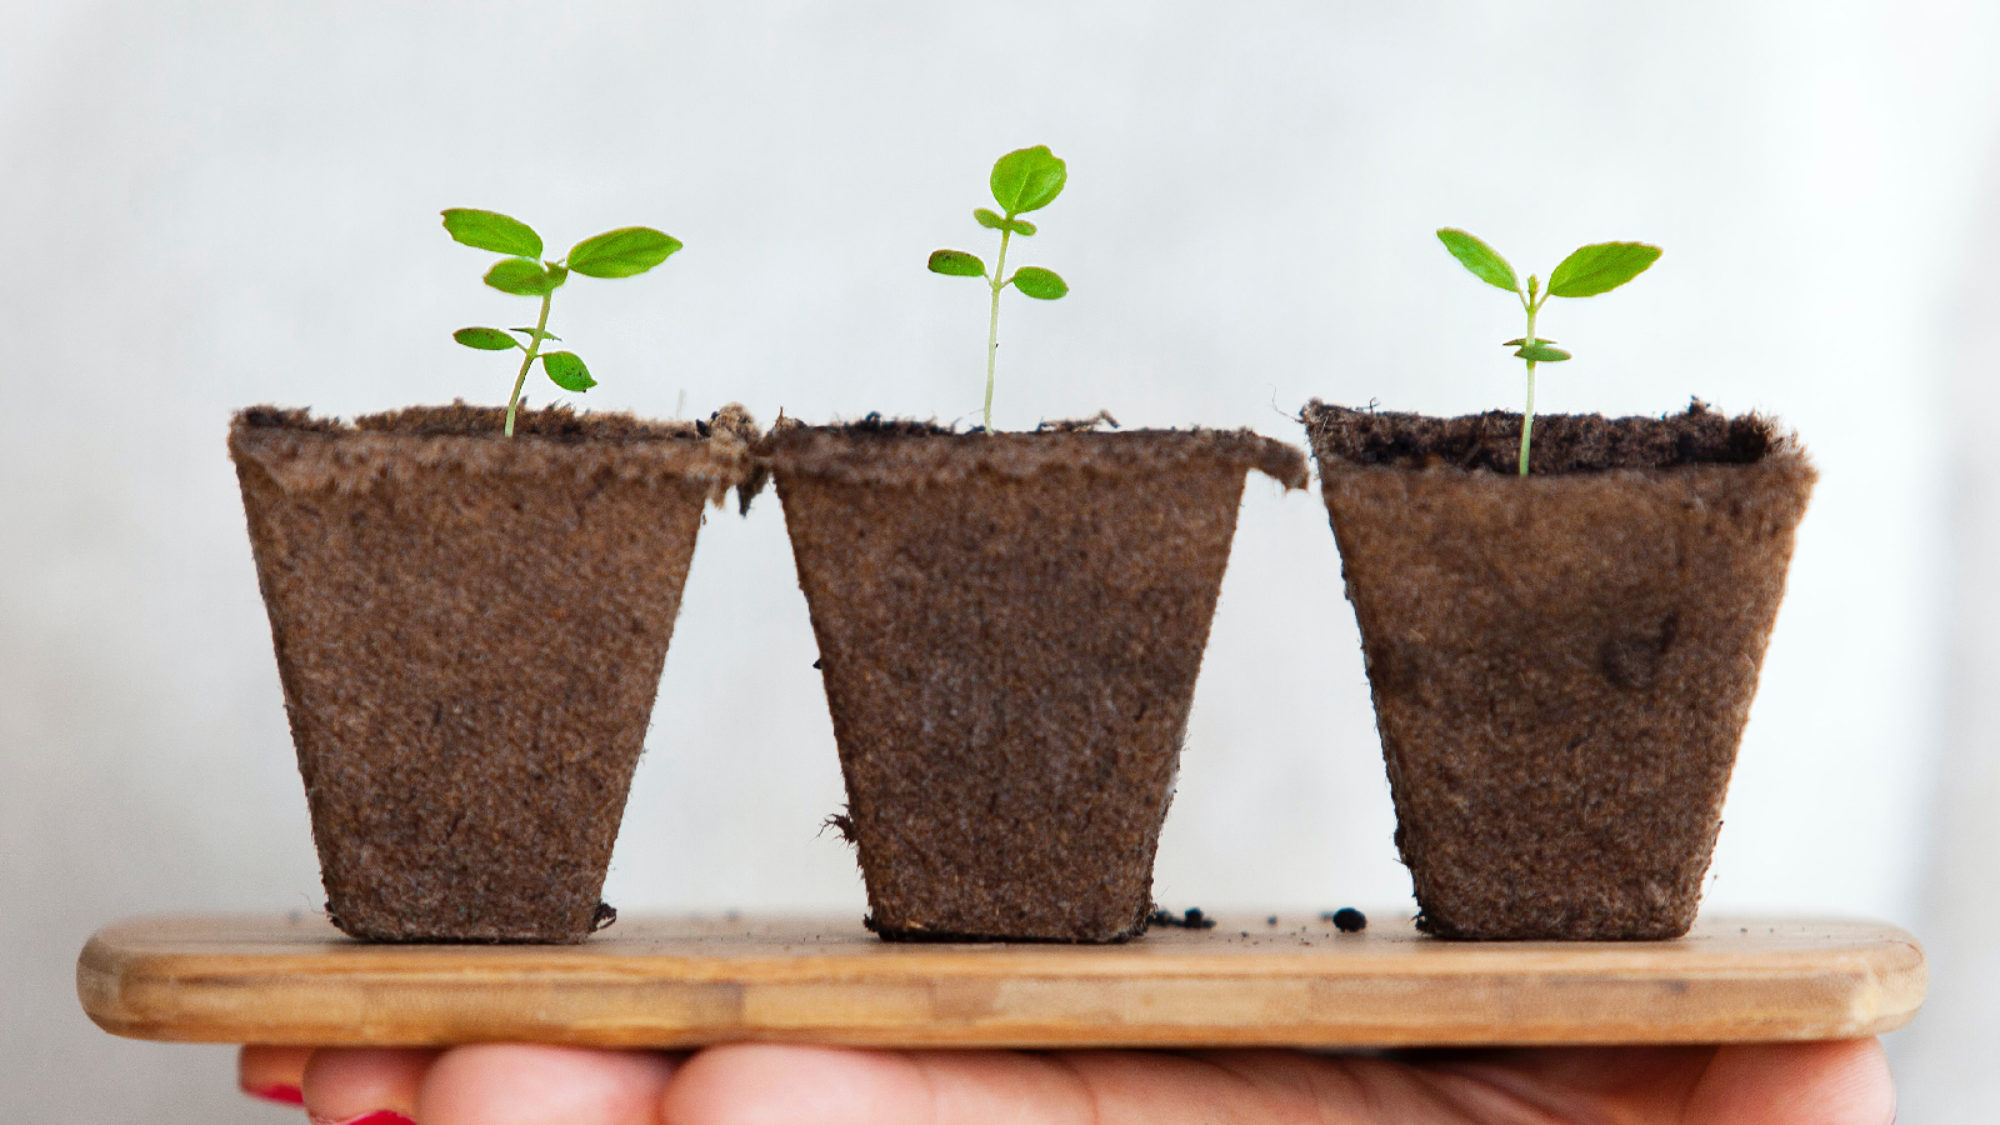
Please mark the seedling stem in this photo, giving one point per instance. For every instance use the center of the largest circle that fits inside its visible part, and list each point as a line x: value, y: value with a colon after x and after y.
x: 541, y: 328
x: 993, y: 325
x: 1528, y: 415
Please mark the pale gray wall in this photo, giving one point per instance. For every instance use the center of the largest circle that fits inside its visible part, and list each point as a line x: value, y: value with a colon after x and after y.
x: 236, y: 202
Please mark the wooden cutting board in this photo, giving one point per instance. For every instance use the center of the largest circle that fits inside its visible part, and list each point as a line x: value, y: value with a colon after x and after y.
x: 677, y: 982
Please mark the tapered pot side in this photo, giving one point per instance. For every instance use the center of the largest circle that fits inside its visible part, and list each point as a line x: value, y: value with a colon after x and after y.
x: 1009, y: 630
x: 470, y: 631
x: 1561, y: 664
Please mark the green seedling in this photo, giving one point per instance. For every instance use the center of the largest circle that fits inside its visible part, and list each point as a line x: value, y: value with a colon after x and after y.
x: 625, y: 252
x: 1024, y: 180
x: 1597, y: 268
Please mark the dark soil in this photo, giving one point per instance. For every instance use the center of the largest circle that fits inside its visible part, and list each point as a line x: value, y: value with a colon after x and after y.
x: 1009, y: 630
x: 1191, y: 919
x: 470, y: 631
x: 1563, y: 443
x: 1562, y: 664
x: 1347, y: 919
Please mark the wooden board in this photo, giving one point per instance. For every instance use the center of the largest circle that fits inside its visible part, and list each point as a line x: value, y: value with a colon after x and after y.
x: 674, y: 982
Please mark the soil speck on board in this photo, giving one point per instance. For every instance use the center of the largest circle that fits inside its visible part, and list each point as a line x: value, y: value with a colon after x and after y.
x: 1347, y: 920
x: 1191, y: 919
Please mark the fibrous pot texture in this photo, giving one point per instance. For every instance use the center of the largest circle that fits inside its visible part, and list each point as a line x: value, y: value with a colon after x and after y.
x: 1009, y: 629
x: 1561, y: 664
x: 470, y: 630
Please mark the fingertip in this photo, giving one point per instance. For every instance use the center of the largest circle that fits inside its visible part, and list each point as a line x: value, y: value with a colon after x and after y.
x: 1838, y: 1083
x: 776, y: 1084
x: 274, y: 1074
x: 514, y: 1084
x: 343, y: 1083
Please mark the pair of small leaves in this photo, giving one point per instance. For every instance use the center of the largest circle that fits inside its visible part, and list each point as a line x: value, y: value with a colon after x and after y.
x: 1032, y: 281
x: 525, y: 277
x: 625, y: 252
x: 1541, y: 351
x: 494, y: 340
x: 1597, y: 268
x: 565, y: 369
x: 990, y: 221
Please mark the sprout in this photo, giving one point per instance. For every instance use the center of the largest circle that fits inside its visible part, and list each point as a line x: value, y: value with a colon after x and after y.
x: 1024, y: 180
x: 1597, y: 268
x: 625, y: 252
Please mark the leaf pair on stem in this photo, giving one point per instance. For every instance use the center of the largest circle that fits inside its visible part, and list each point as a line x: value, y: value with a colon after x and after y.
x: 1590, y: 270
x: 625, y: 252
x: 1024, y: 180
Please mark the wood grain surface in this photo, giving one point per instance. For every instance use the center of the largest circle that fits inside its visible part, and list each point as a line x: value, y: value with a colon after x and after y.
x: 674, y: 982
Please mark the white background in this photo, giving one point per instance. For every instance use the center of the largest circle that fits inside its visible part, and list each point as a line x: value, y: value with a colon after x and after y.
x: 206, y: 206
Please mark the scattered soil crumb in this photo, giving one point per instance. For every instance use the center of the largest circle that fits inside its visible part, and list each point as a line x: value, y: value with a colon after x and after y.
x: 1191, y: 919
x: 1347, y: 920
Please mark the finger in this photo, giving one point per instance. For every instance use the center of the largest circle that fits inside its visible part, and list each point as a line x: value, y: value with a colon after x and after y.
x: 1837, y: 1083
x: 772, y: 1085
x: 274, y: 1074
x: 503, y: 1084
x: 779, y: 1085
x: 1750, y: 1084
x: 376, y: 1085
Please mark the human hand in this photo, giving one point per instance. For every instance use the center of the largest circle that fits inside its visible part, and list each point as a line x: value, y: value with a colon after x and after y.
x: 766, y: 1084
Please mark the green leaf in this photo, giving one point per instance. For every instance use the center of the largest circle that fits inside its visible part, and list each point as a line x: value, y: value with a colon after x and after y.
x: 531, y: 333
x: 1541, y: 353
x: 625, y: 252
x: 1027, y: 179
x: 567, y: 371
x: 485, y: 339
x: 1600, y: 268
x: 1036, y: 282
x: 1485, y: 263
x: 522, y: 278
x: 956, y: 263
x: 490, y: 230
x: 1519, y: 340
x: 991, y: 221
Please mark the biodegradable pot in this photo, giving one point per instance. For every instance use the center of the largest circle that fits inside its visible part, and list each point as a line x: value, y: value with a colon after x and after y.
x: 470, y: 630
x: 1009, y: 629
x: 1561, y: 664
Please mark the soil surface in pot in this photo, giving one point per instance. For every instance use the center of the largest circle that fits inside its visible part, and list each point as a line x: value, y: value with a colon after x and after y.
x: 470, y: 631
x: 1561, y: 664
x: 1010, y: 627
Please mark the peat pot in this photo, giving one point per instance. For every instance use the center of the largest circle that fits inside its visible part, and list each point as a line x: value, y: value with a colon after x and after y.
x: 1562, y: 663
x: 470, y: 630
x: 1009, y: 629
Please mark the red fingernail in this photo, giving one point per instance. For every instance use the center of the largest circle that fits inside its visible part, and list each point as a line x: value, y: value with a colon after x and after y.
x: 378, y: 1117
x: 280, y: 1093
